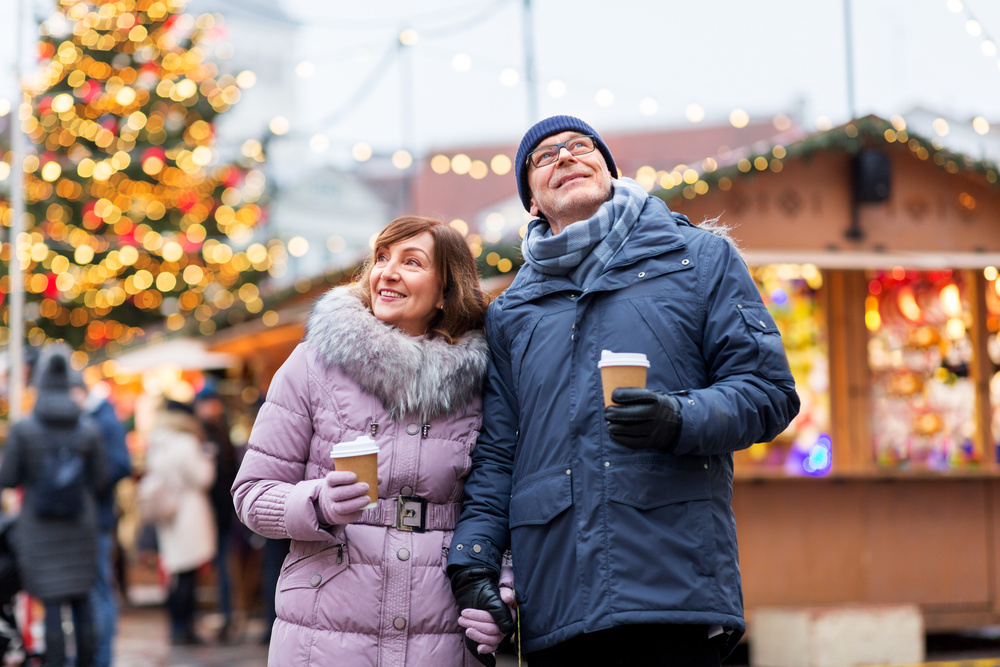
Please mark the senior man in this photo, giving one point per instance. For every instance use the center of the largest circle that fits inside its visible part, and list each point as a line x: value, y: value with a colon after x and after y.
x: 619, y: 519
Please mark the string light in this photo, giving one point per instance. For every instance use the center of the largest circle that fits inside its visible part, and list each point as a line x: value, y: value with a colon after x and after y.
x: 974, y: 28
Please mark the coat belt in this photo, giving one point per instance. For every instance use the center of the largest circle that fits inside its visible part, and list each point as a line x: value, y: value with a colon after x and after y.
x: 412, y: 514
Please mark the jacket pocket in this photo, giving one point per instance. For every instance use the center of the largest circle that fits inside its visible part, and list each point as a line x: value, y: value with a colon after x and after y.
x: 670, y: 499
x: 314, y: 566
x: 541, y: 497
x: 654, y: 480
x: 772, y: 361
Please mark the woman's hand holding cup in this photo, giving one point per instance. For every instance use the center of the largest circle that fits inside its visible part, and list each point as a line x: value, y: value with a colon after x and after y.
x: 342, y: 498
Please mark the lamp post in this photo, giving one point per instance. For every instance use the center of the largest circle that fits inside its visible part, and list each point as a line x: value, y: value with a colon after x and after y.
x: 15, y: 309
x: 529, y: 64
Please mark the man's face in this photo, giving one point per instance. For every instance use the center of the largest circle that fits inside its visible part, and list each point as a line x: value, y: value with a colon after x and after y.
x: 570, y: 189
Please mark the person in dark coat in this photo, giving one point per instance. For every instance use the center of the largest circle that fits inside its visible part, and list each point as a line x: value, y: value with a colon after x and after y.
x: 211, y: 412
x: 104, y: 597
x: 618, y: 518
x: 57, y: 557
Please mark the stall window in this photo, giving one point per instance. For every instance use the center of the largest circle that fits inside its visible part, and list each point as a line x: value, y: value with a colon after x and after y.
x: 794, y: 295
x: 993, y: 351
x: 919, y: 353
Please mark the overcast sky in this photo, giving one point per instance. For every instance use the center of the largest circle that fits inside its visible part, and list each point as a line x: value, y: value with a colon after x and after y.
x: 624, y: 64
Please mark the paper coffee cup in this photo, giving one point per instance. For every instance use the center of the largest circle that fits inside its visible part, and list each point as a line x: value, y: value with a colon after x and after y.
x: 359, y: 456
x: 621, y: 369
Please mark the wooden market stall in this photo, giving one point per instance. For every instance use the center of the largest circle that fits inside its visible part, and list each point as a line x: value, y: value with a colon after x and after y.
x: 877, y: 253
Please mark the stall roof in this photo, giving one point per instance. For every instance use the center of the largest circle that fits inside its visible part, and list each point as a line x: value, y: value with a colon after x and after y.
x: 867, y: 260
x: 848, y: 137
x: 188, y: 353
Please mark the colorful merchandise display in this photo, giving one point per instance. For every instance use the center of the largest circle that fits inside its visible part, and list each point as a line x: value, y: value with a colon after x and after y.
x: 993, y: 351
x: 919, y: 353
x: 794, y: 295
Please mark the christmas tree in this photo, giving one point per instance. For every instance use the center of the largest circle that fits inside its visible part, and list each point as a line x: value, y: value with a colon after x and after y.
x: 133, y: 220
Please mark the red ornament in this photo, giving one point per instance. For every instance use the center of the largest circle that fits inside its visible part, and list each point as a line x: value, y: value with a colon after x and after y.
x: 51, y: 291
x: 234, y: 178
x: 188, y: 245
x: 154, y: 151
x: 128, y: 238
x: 89, y: 91
x: 90, y: 219
x: 46, y: 50
x: 187, y: 200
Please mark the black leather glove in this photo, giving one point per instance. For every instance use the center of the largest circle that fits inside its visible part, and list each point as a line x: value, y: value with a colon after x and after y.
x: 478, y: 588
x: 644, y: 419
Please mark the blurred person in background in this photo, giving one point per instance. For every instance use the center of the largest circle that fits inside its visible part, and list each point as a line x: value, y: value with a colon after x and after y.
x: 55, y: 537
x: 211, y: 411
x: 104, y: 598
x: 275, y: 552
x: 399, y: 357
x: 186, y: 539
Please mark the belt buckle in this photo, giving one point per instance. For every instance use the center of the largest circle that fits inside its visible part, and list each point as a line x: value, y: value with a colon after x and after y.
x: 411, y: 514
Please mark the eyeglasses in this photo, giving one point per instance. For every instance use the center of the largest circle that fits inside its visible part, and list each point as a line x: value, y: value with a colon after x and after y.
x: 576, y: 146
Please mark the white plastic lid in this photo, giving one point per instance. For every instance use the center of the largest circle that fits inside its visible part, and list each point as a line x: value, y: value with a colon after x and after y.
x: 609, y: 358
x: 359, y: 447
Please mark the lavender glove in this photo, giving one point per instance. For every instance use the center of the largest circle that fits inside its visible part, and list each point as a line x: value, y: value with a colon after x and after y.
x: 479, y: 624
x: 341, y: 498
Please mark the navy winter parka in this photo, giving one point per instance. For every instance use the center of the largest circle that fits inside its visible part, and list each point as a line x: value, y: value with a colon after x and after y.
x: 603, y: 535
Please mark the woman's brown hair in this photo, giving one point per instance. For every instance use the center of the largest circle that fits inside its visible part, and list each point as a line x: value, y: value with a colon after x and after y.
x: 464, y: 302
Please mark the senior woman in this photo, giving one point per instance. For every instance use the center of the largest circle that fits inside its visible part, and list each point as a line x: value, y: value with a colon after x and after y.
x: 400, y: 357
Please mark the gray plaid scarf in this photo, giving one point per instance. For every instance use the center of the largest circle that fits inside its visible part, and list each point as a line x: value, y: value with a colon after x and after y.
x: 585, y: 247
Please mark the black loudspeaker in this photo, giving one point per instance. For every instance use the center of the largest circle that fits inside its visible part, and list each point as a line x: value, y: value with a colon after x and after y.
x: 872, y: 176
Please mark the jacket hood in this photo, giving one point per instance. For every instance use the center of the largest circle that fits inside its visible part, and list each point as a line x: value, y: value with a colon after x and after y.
x: 410, y: 375
x: 52, y: 380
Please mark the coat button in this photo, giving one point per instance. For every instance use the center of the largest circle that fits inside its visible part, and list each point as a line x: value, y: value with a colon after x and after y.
x: 412, y: 429
x: 458, y: 548
x: 406, y: 490
x: 607, y: 464
x: 761, y: 323
x: 568, y: 471
x: 685, y: 262
x: 316, y: 580
x: 477, y: 548
x: 403, y: 553
x: 399, y: 623
x: 642, y: 274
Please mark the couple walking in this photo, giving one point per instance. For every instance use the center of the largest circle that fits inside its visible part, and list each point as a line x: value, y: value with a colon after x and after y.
x: 494, y: 437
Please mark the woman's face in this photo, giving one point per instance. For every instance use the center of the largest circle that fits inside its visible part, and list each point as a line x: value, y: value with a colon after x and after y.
x: 406, y: 290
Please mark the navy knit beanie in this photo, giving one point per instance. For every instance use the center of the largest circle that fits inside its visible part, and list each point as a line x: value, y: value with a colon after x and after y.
x: 546, y: 128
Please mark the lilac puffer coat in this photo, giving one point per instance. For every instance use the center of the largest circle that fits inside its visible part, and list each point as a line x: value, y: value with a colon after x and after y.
x: 367, y: 593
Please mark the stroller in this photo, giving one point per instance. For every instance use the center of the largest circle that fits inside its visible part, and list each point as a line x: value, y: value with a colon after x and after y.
x: 10, y: 585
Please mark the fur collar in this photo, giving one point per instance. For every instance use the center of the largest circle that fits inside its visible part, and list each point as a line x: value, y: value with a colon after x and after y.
x: 423, y: 377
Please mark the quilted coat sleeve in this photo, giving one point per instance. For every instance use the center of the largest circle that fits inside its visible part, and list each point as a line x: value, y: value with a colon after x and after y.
x: 485, y: 511
x: 751, y: 393
x: 271, y: 494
